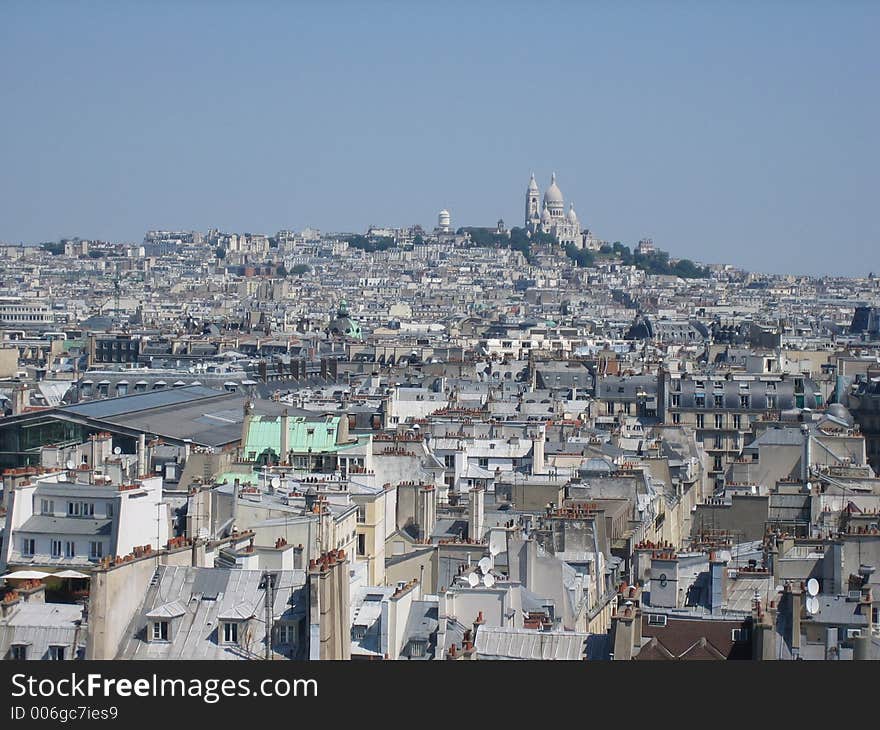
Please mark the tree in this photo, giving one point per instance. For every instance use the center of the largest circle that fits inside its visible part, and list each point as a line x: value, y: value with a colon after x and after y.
x: 300, y: 269
x: 56, y: 249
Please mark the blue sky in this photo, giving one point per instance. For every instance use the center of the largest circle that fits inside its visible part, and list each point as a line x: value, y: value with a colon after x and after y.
x: 738, y: 132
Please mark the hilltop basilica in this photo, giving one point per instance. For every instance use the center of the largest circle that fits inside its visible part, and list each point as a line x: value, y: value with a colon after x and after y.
x: 551, y: 217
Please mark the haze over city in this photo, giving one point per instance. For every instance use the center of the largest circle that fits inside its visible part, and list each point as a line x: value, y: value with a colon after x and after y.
x: 727, y: 134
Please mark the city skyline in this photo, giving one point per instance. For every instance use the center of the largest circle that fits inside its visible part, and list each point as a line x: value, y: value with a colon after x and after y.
x: 727, y: 137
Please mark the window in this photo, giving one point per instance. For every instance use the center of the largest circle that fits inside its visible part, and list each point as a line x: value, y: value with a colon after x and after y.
x: 610, y: 407
x: 737, y: 421
x: 676, y: 399
x: 18, y: 652
x: 81, y: 509
x: 230, y: 632
x: 47, y: 506
x: 743, y: 401
x: 483, y: 461
x: 771, y: 401
x: 69, y: 549
x: 719, y: 401
x: 719, y: 442
x: 160, y: 631
x: 28, y: 545
x: 655, y: 620
x: 739, y: 635
x: 701, y: 420
x: 287, y: 634
x: 717, y: 465
x: 362, y: 513
x: 56, y: 653
x: 676, y: 418
x: 358, y: 632
x: 96, y: 549
x: 719, y: 420
x: 417, y: 648
x: 109, y: 509
x: 56, y: 548
x: 362, y: 544
x: 449, y: 461
x: 699, y: 384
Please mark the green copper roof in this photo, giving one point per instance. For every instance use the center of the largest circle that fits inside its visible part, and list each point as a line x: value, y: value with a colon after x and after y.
x: 264, y: 432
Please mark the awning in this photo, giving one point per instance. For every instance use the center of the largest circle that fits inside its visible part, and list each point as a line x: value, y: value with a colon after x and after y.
x: 69, y: 574
x: 26, y: 575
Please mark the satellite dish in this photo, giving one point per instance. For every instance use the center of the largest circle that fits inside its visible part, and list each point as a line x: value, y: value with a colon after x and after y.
x: 70, y: 464
x: 494, y: 550
x: 117, y: 450
x: 485, y: 565
x: 813, y: 587
x: 489, y: 580
x: 473, y: 580
x: 275, y: 482
x: 812, y: 605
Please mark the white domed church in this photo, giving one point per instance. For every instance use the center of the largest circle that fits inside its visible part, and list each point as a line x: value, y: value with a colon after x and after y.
x: 551, y: 217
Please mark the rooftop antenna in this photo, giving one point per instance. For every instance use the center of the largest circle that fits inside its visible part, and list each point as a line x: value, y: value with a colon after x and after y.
x: 488, y: 580
x: 473, y: 580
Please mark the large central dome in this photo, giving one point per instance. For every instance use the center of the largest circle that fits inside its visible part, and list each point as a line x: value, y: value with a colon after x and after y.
x: 553, y: 196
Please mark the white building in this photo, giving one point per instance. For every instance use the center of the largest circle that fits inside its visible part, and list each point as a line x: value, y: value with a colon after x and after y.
x: 551, y: 218
x: 59, y: 520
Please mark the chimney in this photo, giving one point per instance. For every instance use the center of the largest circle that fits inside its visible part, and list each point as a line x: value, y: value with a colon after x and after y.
x: 623, y: 632
x: 796, y: 608
x: 141, y: 456
x: 538, y: 451
x: 862, y: 644
x: 9, y: 603
x: 285, y: 437
x: 20, y: 399
x: 477, y: 512
x: 807, y: 455
x: 718, y: 579
x: 236, y: 488
x: 664, y: 580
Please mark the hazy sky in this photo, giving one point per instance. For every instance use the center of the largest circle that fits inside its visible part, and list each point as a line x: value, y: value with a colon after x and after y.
x: 738, y: 132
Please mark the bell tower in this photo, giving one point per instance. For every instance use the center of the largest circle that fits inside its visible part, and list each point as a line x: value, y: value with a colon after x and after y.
x: 533, y: 205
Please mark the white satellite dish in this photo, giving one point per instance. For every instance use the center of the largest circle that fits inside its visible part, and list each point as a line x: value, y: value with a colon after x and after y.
x: 489, y: 580
x: 70, y: 464
x: 117, y: 450
x: 813, y: 587
x: 485, y: 565
x: 473, y: 580
x: 275, y: 482
x: 812, y: 605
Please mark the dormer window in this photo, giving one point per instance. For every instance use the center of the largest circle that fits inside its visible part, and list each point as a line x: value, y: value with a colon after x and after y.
x: 160, y: 631
x: 230, y: 632
x: 417, y: 648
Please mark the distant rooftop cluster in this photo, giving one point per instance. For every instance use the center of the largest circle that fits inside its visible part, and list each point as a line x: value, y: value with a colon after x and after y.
x: 455, y: 444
